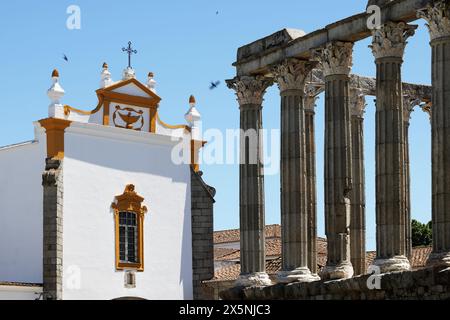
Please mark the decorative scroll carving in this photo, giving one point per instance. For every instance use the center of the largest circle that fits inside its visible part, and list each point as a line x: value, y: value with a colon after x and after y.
x: 390, y: 39
x: 292, y: 74
x: 250, y: 90
x: 312, y: 91
x: 129, y: 201
x: 130, y: 117
x: 438, y: 17
x: 357, y: 103
x: 336, y: 58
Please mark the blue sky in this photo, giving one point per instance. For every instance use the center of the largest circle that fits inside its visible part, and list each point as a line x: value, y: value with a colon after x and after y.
x: 187, y: 45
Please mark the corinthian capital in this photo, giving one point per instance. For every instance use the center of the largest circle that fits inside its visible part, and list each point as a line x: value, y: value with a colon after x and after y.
x: 437, y: 15
x: 249, y: 89
x: 291, y: 74
x: 390, y: 39
x: 357, y: 103
x: 336, y: 58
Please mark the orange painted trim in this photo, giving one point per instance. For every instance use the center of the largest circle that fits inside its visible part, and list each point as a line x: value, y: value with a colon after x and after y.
x: 55, y: 128
x: 168, y: 126
x: 152, y: 123
x: 195, y: 149
x: 129, y: 201
x: 126, y: 82
x: 128, y: 99
x: 106, y: 113
x: 68, y: 109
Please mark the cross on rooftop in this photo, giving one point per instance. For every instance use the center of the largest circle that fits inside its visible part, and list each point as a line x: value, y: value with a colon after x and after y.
x: 130, y: 51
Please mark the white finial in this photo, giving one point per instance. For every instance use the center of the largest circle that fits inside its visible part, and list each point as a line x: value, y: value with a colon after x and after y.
x: 55, y: 93
x: 128, y: 73
x: 193, y: 117
x: 151, y: 83
x: 106, y: 80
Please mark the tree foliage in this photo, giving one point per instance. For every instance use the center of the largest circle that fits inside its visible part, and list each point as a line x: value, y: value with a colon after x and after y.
x: 421, y: 234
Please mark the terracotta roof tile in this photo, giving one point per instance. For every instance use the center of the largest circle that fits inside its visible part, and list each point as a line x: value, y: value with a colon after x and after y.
x: 219, y: 253
x: 19, y: 284
x: 229, y: 273
x: 227, y: 236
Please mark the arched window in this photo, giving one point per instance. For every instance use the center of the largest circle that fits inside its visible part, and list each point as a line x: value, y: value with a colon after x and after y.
x: 129, y: 229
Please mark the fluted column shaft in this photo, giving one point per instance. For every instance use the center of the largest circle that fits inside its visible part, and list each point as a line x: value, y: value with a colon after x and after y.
x: 336, y: 59
x: 358, y: 195
x: 408, y: 192
x: 291, y: 75
x: 438, y: 18
x: 250, y: 91
x: 311, y: 182
x: 388, y: 47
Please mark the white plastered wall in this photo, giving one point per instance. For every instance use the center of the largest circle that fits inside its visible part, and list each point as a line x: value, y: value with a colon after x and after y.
x: 99, y: 162
x: 21, y: 205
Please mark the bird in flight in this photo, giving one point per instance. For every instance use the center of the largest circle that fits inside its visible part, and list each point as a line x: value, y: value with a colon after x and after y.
x: 65, y: 58
x: 214, y: 85
x: 217, y: 12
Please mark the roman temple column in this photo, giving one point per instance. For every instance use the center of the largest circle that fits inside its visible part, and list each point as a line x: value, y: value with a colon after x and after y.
x: 409, y: 102
x: 388, y: 46
x: 336, y: 59
x: 250, y: 92
x: 437, y: 15
x: 311, y: 185
x: 358, y: 194
x: 290, y: 76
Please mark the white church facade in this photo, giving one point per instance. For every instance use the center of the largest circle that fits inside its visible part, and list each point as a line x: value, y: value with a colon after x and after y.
x: 95, y: 207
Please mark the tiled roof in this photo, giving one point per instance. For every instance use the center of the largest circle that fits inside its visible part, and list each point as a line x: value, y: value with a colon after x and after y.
x: 230, y: 273
x: 227, y: 236
x: 19, y: 284
x: 219, y: 253
x: 273, y: 248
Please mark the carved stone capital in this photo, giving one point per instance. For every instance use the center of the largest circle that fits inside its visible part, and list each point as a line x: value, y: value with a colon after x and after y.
x: 438, y: 17
x: 249, y: 89
x: 312, y: 90
x: 336, y: 58
x: 390, y: 39
x: 357, y: 103
x: 291, y: 74
x: 409, y: 102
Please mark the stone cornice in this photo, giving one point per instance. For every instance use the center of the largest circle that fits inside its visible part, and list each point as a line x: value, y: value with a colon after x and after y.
x: 292, y: 74
x: 250, y: 90
x: 390, y: 39
x: 336, y: 58
x: 357, y: 103
x: 438, y: 17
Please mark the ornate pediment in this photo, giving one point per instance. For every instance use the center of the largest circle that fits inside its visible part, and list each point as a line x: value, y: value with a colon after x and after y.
x: 129, y: 201
x: 131, y: 90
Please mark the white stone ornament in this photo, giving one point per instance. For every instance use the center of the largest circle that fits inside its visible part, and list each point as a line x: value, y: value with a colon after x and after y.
x: 106, y: 80
x: 390, y: 39
x: 336, y: 58
x: 55, y: 94
x: 128, y: 73
x: 151, y: 83
x: 250, y: 90
x: 193, y: 118
x: 438, y: 17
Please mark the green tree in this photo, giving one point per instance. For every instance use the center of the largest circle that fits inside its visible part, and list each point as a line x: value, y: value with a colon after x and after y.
x: 421, y: 234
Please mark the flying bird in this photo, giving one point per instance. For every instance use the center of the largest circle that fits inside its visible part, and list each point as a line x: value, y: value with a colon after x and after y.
x: 65, y: 58
x: 217, y: 12
x: 214, y: 85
